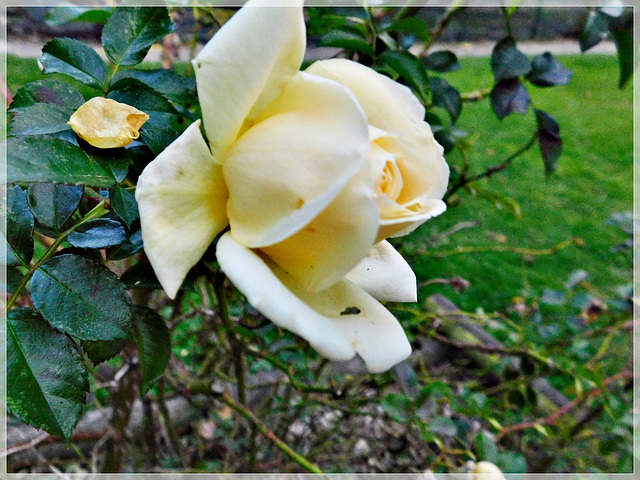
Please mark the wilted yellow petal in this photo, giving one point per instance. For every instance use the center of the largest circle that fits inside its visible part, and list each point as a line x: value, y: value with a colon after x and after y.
x: 487, y: 471
x: 105, y: 123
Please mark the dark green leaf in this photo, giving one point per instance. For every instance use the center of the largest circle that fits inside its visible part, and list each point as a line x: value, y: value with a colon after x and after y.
x: 70, y: 14
x: 595, y: 30
x: 130, y: 32
x: 48, y: 91
x: 98, y: 233
x: 625, y: 45
x: 74, y: 58
x: 507, y: 62
x: 126, y: 249
x: 549, y: 140
x: 141, y: 275
x: 124, y: 204
x: 82, y: 297
x: 154, y: 344
x: 511, y: 462
x: 486, y: 448
x: 398, y: 406
x: 14, y: 277
x: 509, y: 96
x: 349, y: 38
x: 52, y: 204
x: 173, y: 86
x: 40, y: 119
x: 411, y: 70
x: 46, y: 379
x: 443, y: 426
x: 546, y: 71
x: 160, y: 131
x: 99, y: 351
x: 17, y: 231
x: 135, y: 93
x: 49, y: 159
x: 442, y: 61
x: 447, y: 97
x: 113, y: 160
x: 413, y: 26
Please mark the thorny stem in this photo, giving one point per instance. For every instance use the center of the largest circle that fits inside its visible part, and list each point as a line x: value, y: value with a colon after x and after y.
x: 97, y: 212
x: 464, y: 179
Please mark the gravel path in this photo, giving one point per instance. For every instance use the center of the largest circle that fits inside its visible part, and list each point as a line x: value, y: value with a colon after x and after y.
x: 464, y: 49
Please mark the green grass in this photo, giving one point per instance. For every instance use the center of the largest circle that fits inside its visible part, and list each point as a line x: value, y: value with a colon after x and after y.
x: 594, y: 179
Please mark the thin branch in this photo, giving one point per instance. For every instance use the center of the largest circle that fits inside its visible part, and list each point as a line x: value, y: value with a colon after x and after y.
x: 442, y: 24
x: 464, y: 179
x: 554, y: 417
x: 503, y: 248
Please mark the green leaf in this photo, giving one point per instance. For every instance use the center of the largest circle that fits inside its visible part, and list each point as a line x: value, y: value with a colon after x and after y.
x: 486, y: 448
x: 141, y: 275
x: 126, y: 249
x: 443, y: 426
x: 13, y: 279
x: 546, y: 71
x: 167, y: 82
x: 49, y: 159
x: 349, y: 38
x: 52, y: 204
x: 595, y: 30
x: 60, y: 15
x: 509, y: 96
x: 447, y: 97
x: 17, y: 230
x: 113, y: 160
x: 99, y: 351
x: 154, y: 345
x: 511, y: 462
x: 130, y: 32
x: 413, y: 26
x: 549, y: 140
x: 442, y: 61
x: 73, y: 58
x: 46, y: 379
x: 98, y: 233
x: 40, y: 119
x: 137, y: 94
x: 507, y: 62
x: 625, y: 45
x: 411, y: 70
x: 161, y: 130
x: 398, y: 406
x: 124, y: 204
x: 82, y: 297
x: 48, y: 91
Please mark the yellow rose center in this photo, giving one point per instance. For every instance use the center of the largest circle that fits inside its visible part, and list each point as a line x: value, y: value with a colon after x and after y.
x: 390, y: 182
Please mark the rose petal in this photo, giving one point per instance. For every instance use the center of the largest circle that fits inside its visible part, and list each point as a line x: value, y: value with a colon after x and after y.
x: 303, y: 151
x: 392, y: 107
x: 105, y: 123
x: 244, y: 67
x: 385, y: 275
x: 182, y: 201
x: 322, y: 318
x: 399, y: 226
x: 318, y: 255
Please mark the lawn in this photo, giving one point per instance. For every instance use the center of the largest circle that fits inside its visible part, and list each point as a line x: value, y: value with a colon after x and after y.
x: 594, y: 180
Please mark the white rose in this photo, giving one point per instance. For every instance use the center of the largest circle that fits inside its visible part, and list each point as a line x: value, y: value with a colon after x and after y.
x: 309, y: 180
